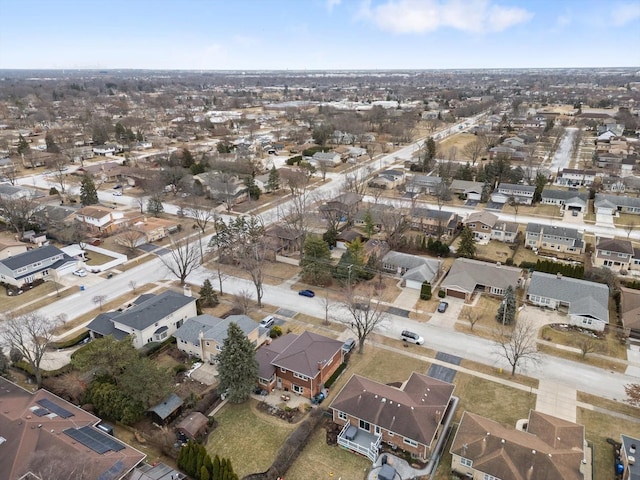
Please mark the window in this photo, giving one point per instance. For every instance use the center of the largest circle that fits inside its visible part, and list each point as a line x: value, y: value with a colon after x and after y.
x: 465, y: 462
x: 342, y: 415
x: 207, y: 343
x: 489, y: 477
x: 300, y: 376
x: 45, y: 272
x: 408, y: 441
x: 218, y: 347
x: 365, y: 425
x: 297, y: 389
x: 283, y: 370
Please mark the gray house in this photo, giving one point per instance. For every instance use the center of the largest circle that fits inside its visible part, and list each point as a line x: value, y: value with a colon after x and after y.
x: 522, y: 194
x: 203, y: 336
x: 151, y: 318
x: 610, y: 204
x: 413, y: 269
x: 554, y: 239
x: 35, y: 264
x: 586, y: 303
x: 468, y: 276
x: 566, y: 199
x: 423, y: 184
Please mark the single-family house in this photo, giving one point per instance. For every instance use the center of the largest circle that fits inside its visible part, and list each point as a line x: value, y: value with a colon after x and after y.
x: 468, y: 276
x: 101, y: 220
x: 610, y: 204
x: 38, y: 263
x: 567, y: 199
x: 41, y: 432
x: 501, y: 150
x: 54, y: 217
x: 149, y: 229
x: 576, y: 177
x: 470, y: 190
x: 616, y: 254
x: 223, y: 187
x: 298, y: 363
x: 150, y: 318
x: 14, y: 192
x: 387, y: 180
x: 107, y: 172
x: 342, y: 208
x: 586, y: 303
x: 506, y: 232
x: 630, y: 311
x: 481, y: 224
x: 375, y: 213
x: 549, y: 447
x: 409, y: 418
x: 555, y: 239
x: 522, y: 194
x: 514, y: 142
x: 434, y: 222
x: 628, y: 455
x: 284, y: 239
x: 203, y: 336
x: 331, y: 159
x: 428, y: 184
x: 413, y: 269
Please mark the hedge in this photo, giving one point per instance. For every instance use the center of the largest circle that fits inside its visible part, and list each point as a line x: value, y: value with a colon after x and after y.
x: 28, y: 369
x: 336, y: 374
x: 72, y: 342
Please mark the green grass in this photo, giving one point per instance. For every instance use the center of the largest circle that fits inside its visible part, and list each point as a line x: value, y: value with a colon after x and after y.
x: 598, y: 427
x: 249, y: 438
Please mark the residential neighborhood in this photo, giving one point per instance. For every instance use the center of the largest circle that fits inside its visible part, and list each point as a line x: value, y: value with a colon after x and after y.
x: 426, y: 274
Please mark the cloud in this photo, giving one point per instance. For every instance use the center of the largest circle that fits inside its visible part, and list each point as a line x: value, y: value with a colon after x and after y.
x: 564, y: 19
x: 421, y: 16
x: 623, y: 13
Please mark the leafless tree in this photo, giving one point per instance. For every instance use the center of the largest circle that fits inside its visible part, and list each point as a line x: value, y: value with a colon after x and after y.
x: 242, y: 302
x: 18, y: 212
x: 327, y: 306
x: 472, y: 317
x: 140, y: 202
x: 132, y: 285
x: 183, y: 258
x: 629, y: 228
x: 51, y: 464
x: 365, y: 314
x: 519, y: 345
x: 323, y: 166
x: 99, y: 300
x: 473, y: 150
x: 394, y: 225
x: 58, y: 176
x: 54, y: 277
x: 30, y: 334
x: 513, y: 203
x: 356, y: 180
x: 588, y: 345
x: 253, y: 252
x: 202, y: 216
x: 11, y: 171
x: 129, y: 239
x: 633, y: 393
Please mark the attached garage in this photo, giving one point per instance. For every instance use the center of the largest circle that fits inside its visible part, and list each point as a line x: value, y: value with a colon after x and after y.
x: 452, y: 292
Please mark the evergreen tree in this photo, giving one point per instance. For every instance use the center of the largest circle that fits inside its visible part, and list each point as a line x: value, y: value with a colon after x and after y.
x: 208, y: 296
x: 192, y: 460
x: 254, y: 190
x: 369, y: 227
x: 88, y: 193
x: 52, y: 147
x: 507, y: 311
x: 23, y: 146
x: 204, y: 473
x: 187, y: 158
x: 216, y: 468
x: 273, y: 183
x: 154, y: 206
x: 201, y: 452
x: 467, y: 246
x: 316, y: 261
x: 237, y: 365
x: 208, y: 464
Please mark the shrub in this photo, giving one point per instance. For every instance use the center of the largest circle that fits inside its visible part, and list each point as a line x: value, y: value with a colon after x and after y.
x: 53, y: 191
x: 71, y: 342
x: 179, y: 368
x: 509, y: 262
x: 336, y: 374
x: 276, y: 331
x: 425, y: 291
x: 442, y: 293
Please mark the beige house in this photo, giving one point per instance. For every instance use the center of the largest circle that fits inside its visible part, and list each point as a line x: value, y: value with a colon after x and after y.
x: 481, y: 224
x: 101, y: 220
x: 548, y: 448
x: 203, y: 336
x: 615, y: 254
x: 468, y: 277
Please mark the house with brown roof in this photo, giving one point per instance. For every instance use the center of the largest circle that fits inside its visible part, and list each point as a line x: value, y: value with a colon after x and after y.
x: 630, y: 311
x: 43, y: 436
x: 434, y: 222
x: 101, y: 220
x: 409, y: 418
x: 481, y: 224
x: 615, y: 254
x: 467, y: 277
x: 549, y: 448
x: 298, y: 363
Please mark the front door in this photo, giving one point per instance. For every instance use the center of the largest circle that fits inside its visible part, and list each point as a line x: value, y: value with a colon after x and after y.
x: 279, y: 383
x: 377, y: 430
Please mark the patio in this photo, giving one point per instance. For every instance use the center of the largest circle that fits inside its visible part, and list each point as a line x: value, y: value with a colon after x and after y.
x: 279, y: 398
x: 360, y: 441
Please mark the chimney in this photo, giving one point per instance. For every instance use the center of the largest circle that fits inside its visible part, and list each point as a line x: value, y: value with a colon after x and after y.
x: 187, y: 290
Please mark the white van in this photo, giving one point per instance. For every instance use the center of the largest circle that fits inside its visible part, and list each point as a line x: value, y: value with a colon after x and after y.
x: 411, y: 337
x: 267, y: 322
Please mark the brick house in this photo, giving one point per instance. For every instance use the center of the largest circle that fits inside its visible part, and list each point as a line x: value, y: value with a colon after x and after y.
x: 481, y: 224
x: 409, y: 418
x: 298, y: 363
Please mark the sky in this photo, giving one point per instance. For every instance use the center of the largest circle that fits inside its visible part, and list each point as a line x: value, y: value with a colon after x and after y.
x: 318, y: 34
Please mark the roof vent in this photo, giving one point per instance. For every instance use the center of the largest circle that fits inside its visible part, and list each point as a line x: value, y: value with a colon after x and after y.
x: 384, y: 400
x: 631, y: 459
x: 533, y: 452
x: 375, y: 396
x: 632, y: 448
x: 502, y: 441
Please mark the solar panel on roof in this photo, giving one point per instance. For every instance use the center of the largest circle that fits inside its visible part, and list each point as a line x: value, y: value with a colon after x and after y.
x: 57, y: 409
x: 41, y: 412
x: 87, y: 441
x: 105, y: 439
x: 113, y: 472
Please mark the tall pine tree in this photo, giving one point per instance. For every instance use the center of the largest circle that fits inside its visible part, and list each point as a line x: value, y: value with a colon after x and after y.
x: 88, y: 193
x: 237, y: 365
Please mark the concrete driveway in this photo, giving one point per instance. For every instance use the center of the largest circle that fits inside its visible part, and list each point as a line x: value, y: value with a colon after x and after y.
x: 449, y: 318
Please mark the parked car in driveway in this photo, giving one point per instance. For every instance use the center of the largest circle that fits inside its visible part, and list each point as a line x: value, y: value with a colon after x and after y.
x: 348, y: 345
x: 267, y: 322
x: 307, y: 293
x: 80, y: 273
x: 442, y: 307
x: 117, y: 193
x: 411, y: 337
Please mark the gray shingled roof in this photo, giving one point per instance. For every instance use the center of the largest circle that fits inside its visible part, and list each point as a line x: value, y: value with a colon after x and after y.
x: 212, y: 328
x: 565, y: 195
x: 615, y: 245
x: 167, y: 406
x: 31, y: 256
x: 103, y: 325
x: 465, y: 274
x: 153, y: 309
x: 584, y: 298
x: 520, y: 188
x: 608, y: 201
x: 564, y: 232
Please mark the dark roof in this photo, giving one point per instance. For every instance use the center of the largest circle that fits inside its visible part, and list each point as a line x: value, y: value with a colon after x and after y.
x: 415, y: 411
x: 152, y: 309
x: 31, y: 256
x: 550, y: 448
x: 564, y: 232
x: 266, y: 354
x: 167, y: 406
x: 193, y: 424
x: 615, y: 245
x: 307, y: 352
x: 103, y: 325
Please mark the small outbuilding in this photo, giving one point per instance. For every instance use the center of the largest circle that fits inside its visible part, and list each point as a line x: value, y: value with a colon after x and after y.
x: 193, y: 425
x: 167, y: 409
